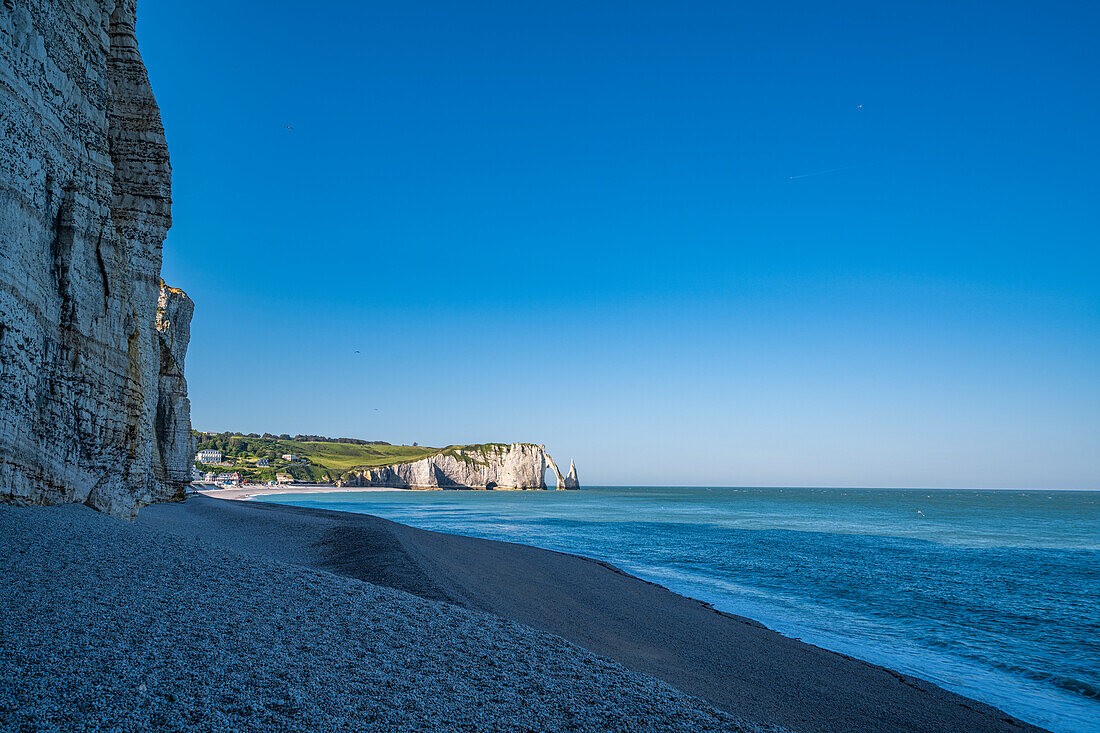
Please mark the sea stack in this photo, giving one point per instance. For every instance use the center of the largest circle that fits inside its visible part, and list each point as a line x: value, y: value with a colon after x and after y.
x: 93, y: 400
x: 571, y: 481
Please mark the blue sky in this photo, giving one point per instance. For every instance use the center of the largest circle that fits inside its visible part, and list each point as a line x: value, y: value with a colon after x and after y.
x: 784, y: 243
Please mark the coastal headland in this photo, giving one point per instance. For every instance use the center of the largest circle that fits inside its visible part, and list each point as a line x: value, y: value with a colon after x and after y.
x: 258, y: 459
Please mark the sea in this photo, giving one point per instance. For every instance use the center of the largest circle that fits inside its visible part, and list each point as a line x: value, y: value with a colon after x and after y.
x: 991, y: 594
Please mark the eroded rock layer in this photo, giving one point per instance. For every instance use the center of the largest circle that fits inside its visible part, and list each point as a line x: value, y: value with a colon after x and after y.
x: 93, y: 404
x: 493, y: 466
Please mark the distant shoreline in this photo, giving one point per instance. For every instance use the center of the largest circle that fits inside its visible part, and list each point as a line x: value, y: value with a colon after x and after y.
x: 249, y: 492
x: 246, y: 493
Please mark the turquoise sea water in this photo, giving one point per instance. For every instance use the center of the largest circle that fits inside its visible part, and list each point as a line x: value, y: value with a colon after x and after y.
x: 993, y: 594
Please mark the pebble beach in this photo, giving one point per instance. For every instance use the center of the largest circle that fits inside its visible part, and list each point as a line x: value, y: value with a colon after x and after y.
x: 110, y: 625
x: 215, y: 615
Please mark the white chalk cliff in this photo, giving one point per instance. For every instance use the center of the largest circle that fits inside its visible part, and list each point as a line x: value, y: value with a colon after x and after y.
x: 570, y: 481
x: 492, y: 466
x: 93, y: 401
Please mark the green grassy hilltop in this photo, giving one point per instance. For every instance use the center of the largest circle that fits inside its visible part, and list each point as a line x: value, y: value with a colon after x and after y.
x: 327, y: 459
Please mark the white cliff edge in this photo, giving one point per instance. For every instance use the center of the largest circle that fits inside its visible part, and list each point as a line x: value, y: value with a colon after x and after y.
x: 492, y: 466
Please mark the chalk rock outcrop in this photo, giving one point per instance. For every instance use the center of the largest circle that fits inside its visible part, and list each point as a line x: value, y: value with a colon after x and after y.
x: 173, y: 423
x: 93, y: 403
x: 554, y: 467
x: 492, y: 466
x: 570, y: 481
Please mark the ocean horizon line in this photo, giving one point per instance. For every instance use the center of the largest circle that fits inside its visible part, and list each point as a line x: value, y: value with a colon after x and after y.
x: 832, y: 488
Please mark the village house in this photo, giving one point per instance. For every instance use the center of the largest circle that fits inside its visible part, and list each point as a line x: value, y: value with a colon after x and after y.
x: 209, y: 456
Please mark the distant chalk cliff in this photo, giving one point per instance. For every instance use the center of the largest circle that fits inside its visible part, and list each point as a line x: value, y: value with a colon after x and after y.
x: 491, y: 466
x: 93, y: 399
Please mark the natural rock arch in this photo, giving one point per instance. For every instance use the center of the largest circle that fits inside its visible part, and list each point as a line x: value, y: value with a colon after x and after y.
x: 554, y: 467
x: 568, y: 481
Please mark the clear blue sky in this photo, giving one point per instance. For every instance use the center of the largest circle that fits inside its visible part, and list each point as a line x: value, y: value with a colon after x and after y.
x: 590, y: 225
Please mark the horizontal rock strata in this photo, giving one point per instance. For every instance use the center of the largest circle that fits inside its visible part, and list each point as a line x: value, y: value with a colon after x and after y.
x: 93, y: 404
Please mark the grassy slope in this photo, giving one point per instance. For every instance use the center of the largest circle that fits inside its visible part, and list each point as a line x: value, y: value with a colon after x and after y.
x: 474, y: 454
x: 343, y: 456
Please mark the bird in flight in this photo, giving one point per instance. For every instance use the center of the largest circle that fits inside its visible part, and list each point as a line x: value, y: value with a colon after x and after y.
x: 290, y: 127
x: 860, y: 107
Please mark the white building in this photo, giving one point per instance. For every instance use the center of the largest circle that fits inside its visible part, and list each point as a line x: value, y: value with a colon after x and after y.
x: 209, y: 456
x: 290, y: 457
x: 228, y: 478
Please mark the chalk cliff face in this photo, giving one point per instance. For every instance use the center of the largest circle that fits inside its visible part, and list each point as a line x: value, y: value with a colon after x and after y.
x: 495, y: 466
x: 93, y: 403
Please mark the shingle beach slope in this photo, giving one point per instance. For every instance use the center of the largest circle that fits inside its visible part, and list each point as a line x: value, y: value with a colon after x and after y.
x: 732, y: 662
x: 109, y: 625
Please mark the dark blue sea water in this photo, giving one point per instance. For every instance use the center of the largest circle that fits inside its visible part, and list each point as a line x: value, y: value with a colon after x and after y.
x: 993, y: 594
